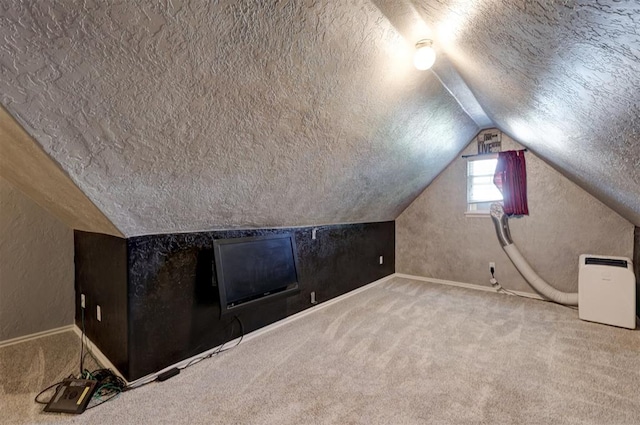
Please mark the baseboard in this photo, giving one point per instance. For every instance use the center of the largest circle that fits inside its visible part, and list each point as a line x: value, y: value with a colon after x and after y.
x: 97, y: 354
x: 466, y: 285
x: 264, y: 330
x: 36, y: 335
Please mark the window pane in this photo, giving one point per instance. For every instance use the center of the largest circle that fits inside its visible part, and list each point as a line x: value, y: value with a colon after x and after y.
x: 483, y: 167
x: 484, y: 193
x: 486, y: 180
x: 481, y: 192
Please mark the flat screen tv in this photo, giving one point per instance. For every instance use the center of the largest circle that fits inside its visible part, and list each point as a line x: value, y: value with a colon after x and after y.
x: 254, y: 269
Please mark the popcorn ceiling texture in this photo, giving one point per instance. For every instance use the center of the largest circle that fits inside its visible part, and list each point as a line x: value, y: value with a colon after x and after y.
x: 24, y: 164
x: 405, y: 19
x: 562, y: 77
x: 192, y: 115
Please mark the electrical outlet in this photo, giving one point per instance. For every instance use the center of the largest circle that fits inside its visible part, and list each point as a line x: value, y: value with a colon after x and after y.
x: 99, y: 313
x: 381, y: 259
x: 83, y: 300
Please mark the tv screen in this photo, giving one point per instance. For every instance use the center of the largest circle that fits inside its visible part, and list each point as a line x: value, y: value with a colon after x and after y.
x: 254, y: 269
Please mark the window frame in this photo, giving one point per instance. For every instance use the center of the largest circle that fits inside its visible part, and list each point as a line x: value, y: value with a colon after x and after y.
x: 476, y: 211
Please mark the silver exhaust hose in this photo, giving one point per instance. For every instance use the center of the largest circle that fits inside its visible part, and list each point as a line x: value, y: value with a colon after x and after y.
x: 501, y: 222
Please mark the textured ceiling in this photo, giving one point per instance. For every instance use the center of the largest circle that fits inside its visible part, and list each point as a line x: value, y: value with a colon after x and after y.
x: 193, y: 115
x: 561, y: 77
x: 29, y: 169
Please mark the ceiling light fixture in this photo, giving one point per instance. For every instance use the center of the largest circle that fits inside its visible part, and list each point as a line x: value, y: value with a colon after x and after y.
x: 425, y: 56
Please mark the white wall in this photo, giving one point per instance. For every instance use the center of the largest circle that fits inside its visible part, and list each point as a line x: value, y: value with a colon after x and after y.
x: 434, y: 238
x: 36, y: 267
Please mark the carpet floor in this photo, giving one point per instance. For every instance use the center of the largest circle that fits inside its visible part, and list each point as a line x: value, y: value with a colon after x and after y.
x: 400, y: 352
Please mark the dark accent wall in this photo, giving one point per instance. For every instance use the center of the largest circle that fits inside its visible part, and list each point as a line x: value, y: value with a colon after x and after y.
x: 101, y: 275
x: 636, y: 264
x: 173, y: 307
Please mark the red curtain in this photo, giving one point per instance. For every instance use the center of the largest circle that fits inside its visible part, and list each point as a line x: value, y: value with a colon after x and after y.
x: 511, y: 179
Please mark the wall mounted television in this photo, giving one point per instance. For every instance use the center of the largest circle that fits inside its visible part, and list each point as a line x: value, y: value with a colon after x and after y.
x: 255, y: 269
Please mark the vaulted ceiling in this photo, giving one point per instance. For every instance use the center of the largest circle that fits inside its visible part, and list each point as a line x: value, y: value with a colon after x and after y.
x: 190, y: 115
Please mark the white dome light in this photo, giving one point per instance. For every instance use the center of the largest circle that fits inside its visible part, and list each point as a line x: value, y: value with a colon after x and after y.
x: 425, y: 56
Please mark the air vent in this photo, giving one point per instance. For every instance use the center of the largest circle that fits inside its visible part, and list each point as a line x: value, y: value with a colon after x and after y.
x: 605, y: 262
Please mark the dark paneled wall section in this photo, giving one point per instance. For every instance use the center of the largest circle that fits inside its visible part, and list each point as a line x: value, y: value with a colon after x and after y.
x: 172, y: 310
x: 636, y: 263
x: 101, y: 274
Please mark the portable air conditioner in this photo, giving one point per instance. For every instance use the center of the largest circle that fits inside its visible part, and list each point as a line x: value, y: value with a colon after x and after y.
x: 607, y: 290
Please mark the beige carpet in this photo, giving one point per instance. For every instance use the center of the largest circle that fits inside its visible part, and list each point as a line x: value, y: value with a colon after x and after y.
x: 402, y: 352
x: 28, y: 367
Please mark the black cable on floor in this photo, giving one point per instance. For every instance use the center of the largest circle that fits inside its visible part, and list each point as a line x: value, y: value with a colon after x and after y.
x: 109, y: 385
x: 197, y: 360
x: 220, y: 349
x: 45, y: 390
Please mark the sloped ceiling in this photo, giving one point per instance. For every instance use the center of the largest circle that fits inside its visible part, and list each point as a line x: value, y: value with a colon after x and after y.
x: 562, y: 77
x: 27, y: 167
x: 191, y: 115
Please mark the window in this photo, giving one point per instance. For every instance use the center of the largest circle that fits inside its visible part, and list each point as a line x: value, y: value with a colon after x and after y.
x: 481, y: 192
